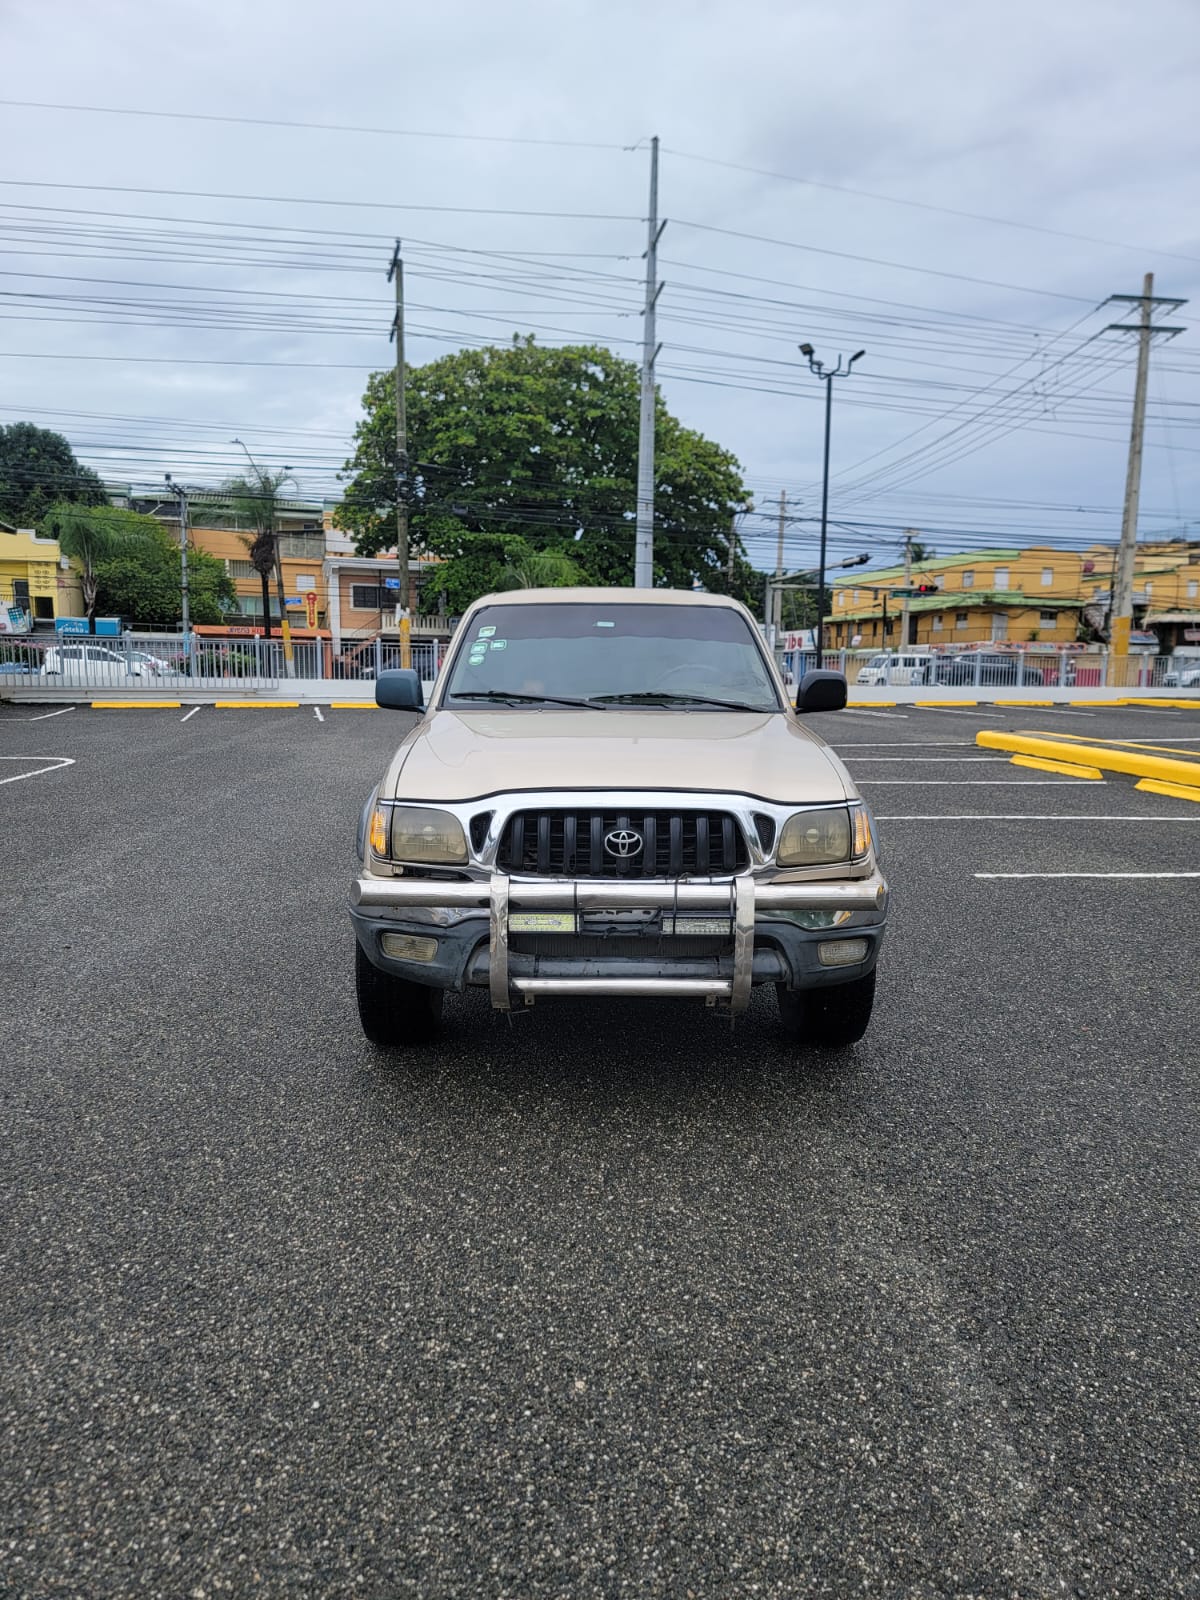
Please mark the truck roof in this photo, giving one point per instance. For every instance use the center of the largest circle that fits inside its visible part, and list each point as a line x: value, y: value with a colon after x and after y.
x: 637, y: 597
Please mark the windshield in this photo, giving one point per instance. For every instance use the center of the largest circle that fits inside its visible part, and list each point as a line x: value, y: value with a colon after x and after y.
x: 703, y: 657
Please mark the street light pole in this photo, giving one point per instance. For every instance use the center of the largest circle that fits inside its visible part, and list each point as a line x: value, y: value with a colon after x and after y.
x: 826, y: 377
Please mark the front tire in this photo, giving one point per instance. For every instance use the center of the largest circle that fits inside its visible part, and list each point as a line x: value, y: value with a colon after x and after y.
x: 394, y: 1012
x: 830, y: 1018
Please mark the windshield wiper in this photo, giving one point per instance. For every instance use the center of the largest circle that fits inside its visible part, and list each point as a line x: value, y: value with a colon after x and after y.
x: 665, y: 698
x: 515, y: 697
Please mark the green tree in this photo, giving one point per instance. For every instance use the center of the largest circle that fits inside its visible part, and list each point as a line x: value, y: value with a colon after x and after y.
x: 145, y: 586
x: 524, y: 449
x: 37, y: 469
x: 89, y: 535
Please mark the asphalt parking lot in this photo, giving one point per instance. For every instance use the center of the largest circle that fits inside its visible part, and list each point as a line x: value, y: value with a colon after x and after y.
x: 593, y: 1303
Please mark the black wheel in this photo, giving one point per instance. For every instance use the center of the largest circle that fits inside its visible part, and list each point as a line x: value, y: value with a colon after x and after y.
x: 828, y: 1019
x: 393, y: 1011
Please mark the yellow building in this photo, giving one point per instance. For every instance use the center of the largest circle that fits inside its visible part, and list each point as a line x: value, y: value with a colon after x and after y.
x: 301, y: 557
x: 1039, y: 595
x: 36, y: 578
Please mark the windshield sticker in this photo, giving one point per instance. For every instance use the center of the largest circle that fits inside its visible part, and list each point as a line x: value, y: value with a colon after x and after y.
x: 606, y: 624
x: 476, y: 656
x: 499, y: 644
x: 486, y: 633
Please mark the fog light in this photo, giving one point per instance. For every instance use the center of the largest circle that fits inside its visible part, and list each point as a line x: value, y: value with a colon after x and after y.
x: 842, y: 952
x: 404, y: 947
x: 818, y: 919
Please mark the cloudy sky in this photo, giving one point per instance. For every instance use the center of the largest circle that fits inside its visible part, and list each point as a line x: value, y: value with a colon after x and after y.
x: 955, y: 189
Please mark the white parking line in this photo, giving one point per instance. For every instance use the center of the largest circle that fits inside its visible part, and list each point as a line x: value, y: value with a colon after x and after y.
x: 979, y: 783
x: 55, y: 762
x: 42, y: 717
x: 317, y: 710
x: 191, y: 713
x: 1087, y: 874
x: 990, y: 761
x: 858, y: 712
x: 909, y: 744
x: 1023, y: 816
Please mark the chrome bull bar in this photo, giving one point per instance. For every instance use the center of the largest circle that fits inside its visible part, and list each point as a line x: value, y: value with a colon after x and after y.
x: 740, y: 898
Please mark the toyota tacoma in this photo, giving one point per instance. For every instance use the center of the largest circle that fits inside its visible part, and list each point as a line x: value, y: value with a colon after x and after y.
x: 609, y: 793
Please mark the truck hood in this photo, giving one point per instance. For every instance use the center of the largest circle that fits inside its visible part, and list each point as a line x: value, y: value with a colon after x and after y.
x: 471, y: 755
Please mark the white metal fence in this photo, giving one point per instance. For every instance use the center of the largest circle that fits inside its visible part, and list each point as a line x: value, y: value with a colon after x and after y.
x: 993, y: 669
x: 168, y: 661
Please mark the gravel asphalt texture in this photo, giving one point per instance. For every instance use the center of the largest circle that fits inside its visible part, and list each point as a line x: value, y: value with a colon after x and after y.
x: 603, y: 1301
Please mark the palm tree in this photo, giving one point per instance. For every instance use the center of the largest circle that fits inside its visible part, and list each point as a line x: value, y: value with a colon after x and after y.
x: 256, y: 501
x: 540, y: 569
x: 90, y: 534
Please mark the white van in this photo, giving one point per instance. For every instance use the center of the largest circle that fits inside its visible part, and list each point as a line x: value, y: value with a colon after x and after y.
x: 897, y: 666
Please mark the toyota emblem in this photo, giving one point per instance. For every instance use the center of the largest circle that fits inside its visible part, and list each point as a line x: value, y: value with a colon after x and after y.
x: 623, y: 843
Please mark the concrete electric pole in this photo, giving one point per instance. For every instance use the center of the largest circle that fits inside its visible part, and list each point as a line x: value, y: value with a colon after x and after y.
x: 908, y: 544
x: 777, y: 608
x: 180, y: 494
x: 403, y: 611
x: 1121, y: 615
x: 643, y: 564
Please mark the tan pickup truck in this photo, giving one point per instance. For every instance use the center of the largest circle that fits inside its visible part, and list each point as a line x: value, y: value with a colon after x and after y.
x: 609, y: 794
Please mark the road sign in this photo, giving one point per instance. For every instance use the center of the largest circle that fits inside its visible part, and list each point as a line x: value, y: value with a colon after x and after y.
x: 391, y: 583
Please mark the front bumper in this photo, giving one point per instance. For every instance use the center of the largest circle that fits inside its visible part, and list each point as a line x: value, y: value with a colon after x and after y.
x: 471, y: 924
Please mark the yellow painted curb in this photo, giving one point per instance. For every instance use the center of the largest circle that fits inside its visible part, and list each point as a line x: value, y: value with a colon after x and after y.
x: 353, y: 705
x: 1115, y: 744
x: 1173, y: 791
x: 869, y: 703
x: 1174, y: 705
x: 1132, y: 762
x: 268, y: 705
x: 1098, y: 705
x: 1002, y: 705
x: 937, y: 704
x: 1067, y: 768
x: 136, y: 705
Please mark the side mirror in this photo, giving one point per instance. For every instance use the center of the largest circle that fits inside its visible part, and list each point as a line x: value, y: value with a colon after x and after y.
x: 821, y: 691
x: 400, y: 690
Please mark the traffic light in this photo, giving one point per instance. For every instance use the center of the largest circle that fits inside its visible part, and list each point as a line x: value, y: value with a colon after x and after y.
x: 926, y: 588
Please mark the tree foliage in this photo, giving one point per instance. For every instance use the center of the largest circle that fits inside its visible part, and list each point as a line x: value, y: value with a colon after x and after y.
x: 145, y: 586
x: 521, y: 451
x: 256, y: 501
x: 90, y: 535
x: 38, y: 468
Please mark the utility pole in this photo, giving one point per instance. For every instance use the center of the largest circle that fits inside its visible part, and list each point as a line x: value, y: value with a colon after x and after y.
x: 908, y: 544
x: 1121, y: 616
x: 826, y: 375
x: 643, y: 563
x: 180, y: 494
x: 403, y: 611
x: 777, y: 611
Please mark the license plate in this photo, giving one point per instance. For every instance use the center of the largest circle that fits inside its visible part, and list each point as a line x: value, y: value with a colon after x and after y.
x: 541, y: 922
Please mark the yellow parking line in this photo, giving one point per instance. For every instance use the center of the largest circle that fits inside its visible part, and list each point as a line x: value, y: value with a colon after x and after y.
x: 267, y: 705
x: 136, y: 705
x: 1068, y: 769
x: 1173, y: 791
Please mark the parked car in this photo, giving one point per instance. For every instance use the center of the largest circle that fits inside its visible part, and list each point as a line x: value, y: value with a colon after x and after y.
x: 976, y: 666
x: 1184, y: 675
x: 15, y: 667
x: 611, y: 793
x: 87, y: 662
x: 897, y: 667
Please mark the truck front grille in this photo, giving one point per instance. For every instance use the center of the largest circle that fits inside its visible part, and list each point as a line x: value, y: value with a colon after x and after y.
x: 588, y: 844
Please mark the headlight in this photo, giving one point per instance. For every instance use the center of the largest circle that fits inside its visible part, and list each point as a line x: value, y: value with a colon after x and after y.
x: 815, y: 838
x: 432, y: 837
